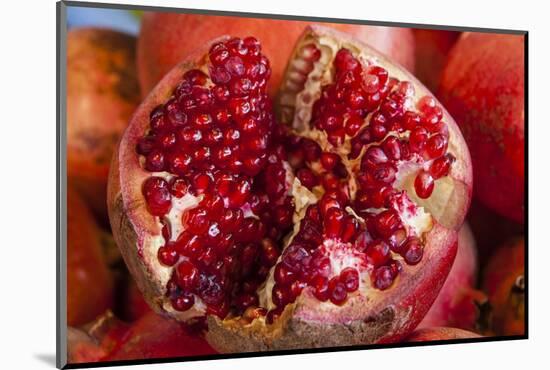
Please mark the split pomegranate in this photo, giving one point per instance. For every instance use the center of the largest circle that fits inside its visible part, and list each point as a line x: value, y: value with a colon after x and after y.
x: 504, y: 281
x: 483, y: 87
x: 440, y: 333
x: 166, y: 37
x: 334, y: 223
x: 89, y: 281
x: 459, y: 304
x: 102, y: 93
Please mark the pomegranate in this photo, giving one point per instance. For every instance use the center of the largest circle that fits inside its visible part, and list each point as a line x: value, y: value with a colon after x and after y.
x: 101, y: 74
x: 332, y: 223
x: 154, y: 336
x: 166, y: 38
x: 504, y: 281
x: 440, y: 333
x: 483, y: 87
x: 459, y: 304
x: 431, y: 50
x: 89, y: 281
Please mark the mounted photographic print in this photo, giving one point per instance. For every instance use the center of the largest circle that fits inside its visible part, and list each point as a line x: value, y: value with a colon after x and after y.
x: 234, y: 184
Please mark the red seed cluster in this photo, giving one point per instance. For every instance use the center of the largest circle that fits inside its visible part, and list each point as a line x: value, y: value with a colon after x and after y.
x: 218, y: 141
x: 364, y: 104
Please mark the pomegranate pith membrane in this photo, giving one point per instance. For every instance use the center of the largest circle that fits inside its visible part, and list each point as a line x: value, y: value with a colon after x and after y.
x: 256, y: 214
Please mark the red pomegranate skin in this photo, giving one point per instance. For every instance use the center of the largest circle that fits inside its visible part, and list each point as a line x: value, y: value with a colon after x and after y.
x: 89, y: 281
x: 102, y: 93
x: 167, y: 38
x: 431, y: 50
x: 456, y: 303
x: 440, y: 333
x: 503, y: 281
x: 154, y: 336
x: 482, y: 86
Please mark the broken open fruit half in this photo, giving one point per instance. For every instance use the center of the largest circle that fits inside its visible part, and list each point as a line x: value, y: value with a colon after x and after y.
x: 333, y: 222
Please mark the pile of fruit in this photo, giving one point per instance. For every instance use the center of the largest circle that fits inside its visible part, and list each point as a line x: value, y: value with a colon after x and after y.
x: 232, y: 193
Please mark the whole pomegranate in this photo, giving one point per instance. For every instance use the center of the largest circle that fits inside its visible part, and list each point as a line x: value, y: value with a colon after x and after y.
x: 89, y: 281
x: 504, y: 281
x: 459, y: 304
x: 440, y: 333
x: 483, y: 87
x: 431, y: 50
x: 166, y: 38
x: 332, y: 222
x: 154, y: 336
x: 102, y: 93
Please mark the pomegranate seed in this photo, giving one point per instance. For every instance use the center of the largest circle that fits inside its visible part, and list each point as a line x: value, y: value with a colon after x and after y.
x: 145, y: 145
x: 373, y: 157
x: 350, y: 278
x: 196, y: 220
x: 383, y: 277
x: 270, y: 253
x: 195, y: 77
x: 411, y: 120
x: 413, y: 251
x: 333, y: 222
x: 424, y: 184
x: 436, y: 146
x: 154, y: 162
x: 345, y: 61
x: 167, y: 256
x: 337, y: 291
x: 312, y: 150
x: 183, y: 302
x: 320, y: 288
x: 417, y: 139
x: 440, y: 167
x: 378, y: 253
x: 280, y: 295
x: 295, y: 256
x: 386, y: 222
x: 187, y: 275
x: 392, y: 148
x: 283, y: 275
x: 157, y: 196
x: 178, y: 187
x: 307, y: 178
x: 329, y: 160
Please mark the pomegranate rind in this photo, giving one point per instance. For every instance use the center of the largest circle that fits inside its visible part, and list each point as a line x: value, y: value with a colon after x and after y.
x: 456, y: 304
x: 138, y: 233
x: 483, y: 86
x: 381, y: 316
x: 440, y: 333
